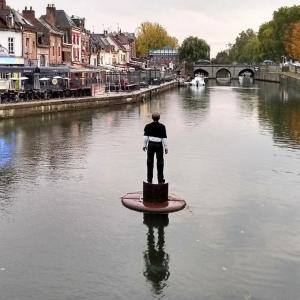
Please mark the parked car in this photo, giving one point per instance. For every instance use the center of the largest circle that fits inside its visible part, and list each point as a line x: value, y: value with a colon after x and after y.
x: 268, y: 62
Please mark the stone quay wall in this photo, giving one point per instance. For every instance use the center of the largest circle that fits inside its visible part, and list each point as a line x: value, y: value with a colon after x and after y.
x: 268, y: 76
x: 24, y: 109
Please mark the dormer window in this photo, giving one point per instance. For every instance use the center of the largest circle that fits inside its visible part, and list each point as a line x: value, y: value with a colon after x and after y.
x: 10, y: 20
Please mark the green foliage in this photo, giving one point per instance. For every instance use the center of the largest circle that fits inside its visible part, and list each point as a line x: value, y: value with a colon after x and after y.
x: 275, y: 39
x: 153, y: 36
x: 246, y: 48
x: 267, y: 42
x: 222, y: 58
x: 194, y: 49
x: 274, y: 35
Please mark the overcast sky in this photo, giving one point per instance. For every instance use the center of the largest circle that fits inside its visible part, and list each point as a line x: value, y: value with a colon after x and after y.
x: 217, y: 21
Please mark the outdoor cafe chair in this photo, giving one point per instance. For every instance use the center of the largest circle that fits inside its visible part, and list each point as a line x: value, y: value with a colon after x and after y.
x: 12, y: 96
x: 21, y: 96
x: 6, y: 97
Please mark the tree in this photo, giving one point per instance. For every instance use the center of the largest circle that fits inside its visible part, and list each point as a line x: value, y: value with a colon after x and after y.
x: 267, y: 42
x: 194, y: 49
x: 246, y: 48
x: 284, y: 18
x: 153, y: 36
x: 292, y: 45
x: 274, y: 35
x: 222, y: 58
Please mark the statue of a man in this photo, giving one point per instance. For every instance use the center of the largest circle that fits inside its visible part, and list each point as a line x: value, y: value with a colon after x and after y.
x: 155, y: 142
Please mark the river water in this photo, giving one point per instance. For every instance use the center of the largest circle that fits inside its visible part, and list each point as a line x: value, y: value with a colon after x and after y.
x: 234, y: 155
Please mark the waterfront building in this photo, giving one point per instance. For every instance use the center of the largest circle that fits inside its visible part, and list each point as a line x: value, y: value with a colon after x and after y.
x: 85, y: 49
x: 65, y: 24
x: 119, y: 53
x: 12, y: 25
x: 166, y: 57
x: 127, y: 40
x: 71, y: 43
x: 103, y: 52
x: 55, y: 35
x: 112, y: 49
x: 29, y: 43
x: 44, y: 33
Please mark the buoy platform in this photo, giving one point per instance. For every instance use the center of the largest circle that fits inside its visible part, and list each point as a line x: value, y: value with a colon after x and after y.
x: 154, y: 199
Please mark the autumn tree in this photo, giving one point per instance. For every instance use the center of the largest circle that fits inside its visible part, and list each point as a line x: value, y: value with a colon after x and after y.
x: 292, y: 45
x: 153, y: 36
x: 274, y: 35
x: 194, y: 49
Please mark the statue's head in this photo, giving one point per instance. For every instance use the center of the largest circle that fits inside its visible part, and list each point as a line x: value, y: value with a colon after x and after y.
x: 155, y: 116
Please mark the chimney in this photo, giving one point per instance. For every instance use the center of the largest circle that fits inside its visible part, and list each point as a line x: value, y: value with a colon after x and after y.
x: 2, y: 4
x: 28, y: 14
x: 51, y: 14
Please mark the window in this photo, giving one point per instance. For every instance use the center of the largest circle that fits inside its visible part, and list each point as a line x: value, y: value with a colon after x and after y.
x: 42, y: 60
x: 40, y: 40
x: 66, y: 40
x: 58, y: 50
x: 11, y: 45
x: 53, y: 50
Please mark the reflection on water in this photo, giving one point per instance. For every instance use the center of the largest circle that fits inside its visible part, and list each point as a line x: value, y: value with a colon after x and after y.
x: 65, y: 235
x: 7, y: 148
x: 279, y: 109
x: 226, y: 81
x: 246, y: 81
x: 156, y: 259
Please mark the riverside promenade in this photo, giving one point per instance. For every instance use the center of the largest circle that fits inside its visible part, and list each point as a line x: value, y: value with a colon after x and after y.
x: 23, y: 109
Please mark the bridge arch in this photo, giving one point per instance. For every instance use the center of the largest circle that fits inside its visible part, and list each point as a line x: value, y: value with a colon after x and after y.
x: 214, y: 70
x: 246, y: 71
x: 223, y: 73
x: 201, y: 72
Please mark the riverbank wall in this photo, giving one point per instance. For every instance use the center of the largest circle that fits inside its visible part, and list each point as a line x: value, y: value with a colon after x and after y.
x: 23, y: 109
x: 279, y: 77
x: 268, y: 76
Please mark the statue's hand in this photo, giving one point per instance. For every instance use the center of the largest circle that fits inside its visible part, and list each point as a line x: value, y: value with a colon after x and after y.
x: 144, y: 148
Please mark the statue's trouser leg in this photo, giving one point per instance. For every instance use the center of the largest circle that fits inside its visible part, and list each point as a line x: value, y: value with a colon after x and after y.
x: 160, y: 164
x: 150, y: 163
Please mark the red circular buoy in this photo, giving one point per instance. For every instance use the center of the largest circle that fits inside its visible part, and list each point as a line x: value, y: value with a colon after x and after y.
x: 135, y: 202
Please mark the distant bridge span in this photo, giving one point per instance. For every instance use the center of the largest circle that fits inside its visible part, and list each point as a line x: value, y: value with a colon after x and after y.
x: 214, y: 71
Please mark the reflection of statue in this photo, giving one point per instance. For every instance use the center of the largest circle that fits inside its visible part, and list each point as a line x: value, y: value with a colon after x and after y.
x: 156, y: 260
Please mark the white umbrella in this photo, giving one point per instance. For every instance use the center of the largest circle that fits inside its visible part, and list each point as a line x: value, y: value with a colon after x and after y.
x: 44, y: 80
x: 19, y: 78
x: 57, y: 77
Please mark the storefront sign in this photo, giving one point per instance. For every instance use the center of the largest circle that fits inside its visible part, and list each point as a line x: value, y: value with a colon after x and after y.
x: 7, y: 60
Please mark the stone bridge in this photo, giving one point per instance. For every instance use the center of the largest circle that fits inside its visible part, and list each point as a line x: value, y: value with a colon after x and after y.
x: 221, y: 71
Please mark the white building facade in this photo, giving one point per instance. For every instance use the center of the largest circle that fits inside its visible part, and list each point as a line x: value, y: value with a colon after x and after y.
x: 12, y: 41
